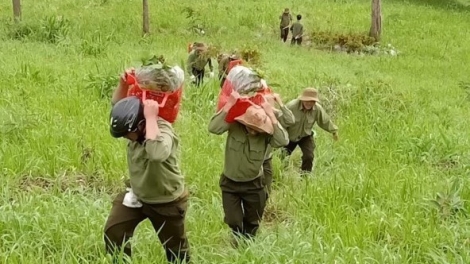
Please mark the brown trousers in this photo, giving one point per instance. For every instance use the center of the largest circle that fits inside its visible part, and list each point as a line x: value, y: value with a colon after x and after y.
x: 307, y: 146
x: 243, y: 204
x: 268, y: 175
x: 167, y: 220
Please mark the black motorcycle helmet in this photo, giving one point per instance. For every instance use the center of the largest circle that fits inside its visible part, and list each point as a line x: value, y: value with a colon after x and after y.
x: 125, y: 116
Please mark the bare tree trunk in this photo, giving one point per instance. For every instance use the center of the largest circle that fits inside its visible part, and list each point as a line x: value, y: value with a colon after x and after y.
x: 145, y: 17
x: 376, y: 20
x: 17, y: 10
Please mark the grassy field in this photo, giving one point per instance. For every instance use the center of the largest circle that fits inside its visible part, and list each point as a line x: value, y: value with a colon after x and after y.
x: 404, y: 132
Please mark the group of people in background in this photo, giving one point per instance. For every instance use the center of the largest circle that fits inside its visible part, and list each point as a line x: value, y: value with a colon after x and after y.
x: 157, y: 188
x: 286, y: 25
x: 197, y: 60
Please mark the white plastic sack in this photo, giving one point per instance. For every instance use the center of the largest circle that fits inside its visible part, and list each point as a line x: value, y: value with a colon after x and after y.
x: 244, y: 80
x: 154, y: 77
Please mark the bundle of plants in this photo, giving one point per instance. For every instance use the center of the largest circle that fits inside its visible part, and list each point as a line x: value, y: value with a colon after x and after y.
x: 159, y: 77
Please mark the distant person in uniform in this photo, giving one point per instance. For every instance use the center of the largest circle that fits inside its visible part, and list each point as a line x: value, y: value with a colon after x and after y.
x: 223, y: 61
x: 196, y: 63
x: 297, y: 31
x: 286, y: 19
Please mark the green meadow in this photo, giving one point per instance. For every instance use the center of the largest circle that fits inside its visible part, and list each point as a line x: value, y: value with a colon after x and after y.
x: 393, y: 189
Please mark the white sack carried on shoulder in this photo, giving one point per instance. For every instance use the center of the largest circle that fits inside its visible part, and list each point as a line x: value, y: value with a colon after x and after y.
x: 244, y: 80
x: 156, y: 78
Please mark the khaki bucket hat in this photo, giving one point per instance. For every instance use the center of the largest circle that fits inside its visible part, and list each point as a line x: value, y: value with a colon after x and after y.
x: 309, y: 94
x: 256, y: 118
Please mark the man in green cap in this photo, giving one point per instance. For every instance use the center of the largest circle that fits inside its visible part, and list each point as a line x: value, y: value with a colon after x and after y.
x: 307, y: 111
x: 286, y: 19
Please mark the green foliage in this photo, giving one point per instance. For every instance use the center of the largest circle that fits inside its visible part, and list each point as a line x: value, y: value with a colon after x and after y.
x: 153, y: 60
x: 195, y: 21
x: 450, y: 203
x: 102, y: 84
x: 50, y: 29
x: 350, y: 42
x: 466, y: 87
x: 251, y: 55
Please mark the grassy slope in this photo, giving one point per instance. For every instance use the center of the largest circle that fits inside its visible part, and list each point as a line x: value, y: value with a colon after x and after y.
x: 403, y: 122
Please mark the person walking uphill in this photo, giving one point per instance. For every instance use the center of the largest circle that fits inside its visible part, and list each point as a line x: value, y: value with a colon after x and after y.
x: 243, y: 192
x: 297, y: 31
x: 157, y: 185
x: 286, y: 19
x: 196, y: 63
x: 307, y: 111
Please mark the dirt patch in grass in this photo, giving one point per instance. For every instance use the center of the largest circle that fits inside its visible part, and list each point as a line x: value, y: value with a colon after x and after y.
x: 447, y: 163
x: 76, y: 183
x: 273, y: 214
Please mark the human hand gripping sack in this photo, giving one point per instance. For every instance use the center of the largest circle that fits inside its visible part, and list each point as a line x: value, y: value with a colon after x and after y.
x: 150, y: 109
x: 268, y: 108
x: 150, y: 114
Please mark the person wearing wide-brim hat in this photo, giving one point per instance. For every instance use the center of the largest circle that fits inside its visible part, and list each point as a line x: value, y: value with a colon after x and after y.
x: 197, y: 61
x: 307, y: 111
x: 241, y: 182
x: 286, y: 20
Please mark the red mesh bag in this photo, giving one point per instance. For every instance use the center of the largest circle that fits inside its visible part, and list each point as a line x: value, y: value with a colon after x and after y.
x: 233, y: 64
x: 169, y: 102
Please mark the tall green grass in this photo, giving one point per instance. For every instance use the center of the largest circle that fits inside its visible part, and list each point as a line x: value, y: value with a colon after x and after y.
x: 373, y: 199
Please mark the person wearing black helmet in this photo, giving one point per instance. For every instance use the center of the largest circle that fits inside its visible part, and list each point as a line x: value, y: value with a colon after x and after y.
x: 157, y: 184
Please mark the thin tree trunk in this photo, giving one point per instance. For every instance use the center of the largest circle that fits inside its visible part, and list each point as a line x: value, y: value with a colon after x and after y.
x: 17, y: 10
x: 145, y: 17
x: 376, y: 20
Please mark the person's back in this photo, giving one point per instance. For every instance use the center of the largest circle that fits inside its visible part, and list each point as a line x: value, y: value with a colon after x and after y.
x: 156, y: 176
x: 297, y: 31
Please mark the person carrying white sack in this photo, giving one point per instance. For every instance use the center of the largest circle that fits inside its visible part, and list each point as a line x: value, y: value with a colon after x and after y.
x: 157, y: 184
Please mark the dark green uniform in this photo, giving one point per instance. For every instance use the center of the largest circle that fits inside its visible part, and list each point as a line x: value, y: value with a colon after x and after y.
x: 196, y: 65
x: 297, y: 32
x: 243, y: 190
x: 156, y: 180
x: 300, y: 133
